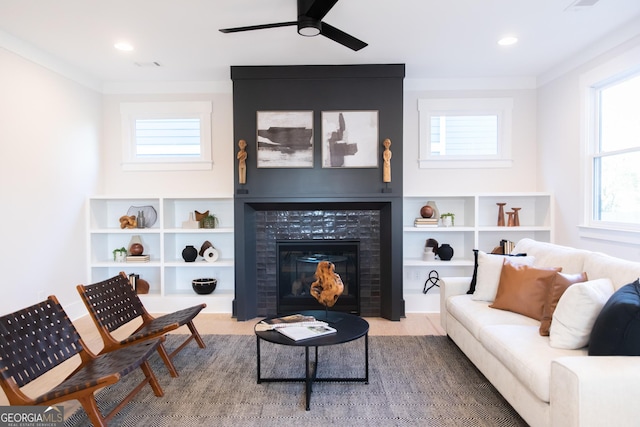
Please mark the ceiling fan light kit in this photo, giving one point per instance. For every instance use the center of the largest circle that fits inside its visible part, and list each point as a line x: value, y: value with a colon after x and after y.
x: 308, y: 27
x: 310, y: 14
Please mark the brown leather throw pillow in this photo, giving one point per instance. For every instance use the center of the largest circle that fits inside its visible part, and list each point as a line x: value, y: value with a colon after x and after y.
x: 560, y: 284
x: 523, y: 289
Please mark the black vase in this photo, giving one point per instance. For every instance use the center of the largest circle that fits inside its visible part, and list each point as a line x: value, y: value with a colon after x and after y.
x: 189, y: 253
x: 445, y: 252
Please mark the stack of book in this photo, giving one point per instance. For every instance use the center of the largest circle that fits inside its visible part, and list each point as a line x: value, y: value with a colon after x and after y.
x: 296, y: 326
x: 507, y: 246
x: 138, y: 258
x: 426, y: 222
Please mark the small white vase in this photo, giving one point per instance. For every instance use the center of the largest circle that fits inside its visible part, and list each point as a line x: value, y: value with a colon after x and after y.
x: 428, y: 254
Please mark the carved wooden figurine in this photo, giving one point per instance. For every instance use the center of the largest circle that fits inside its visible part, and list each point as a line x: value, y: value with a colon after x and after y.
x: 386, y: 168
x: 242, y: 162
x: 328, y: 285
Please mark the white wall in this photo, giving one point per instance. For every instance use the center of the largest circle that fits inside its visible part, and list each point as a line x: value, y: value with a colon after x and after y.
x: 560, y: 155
x: 49, y: 164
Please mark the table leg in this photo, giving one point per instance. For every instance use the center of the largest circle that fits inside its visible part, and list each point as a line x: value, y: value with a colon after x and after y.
x: 366, y: 358
x: 258, y: 359
x: 307, y: 379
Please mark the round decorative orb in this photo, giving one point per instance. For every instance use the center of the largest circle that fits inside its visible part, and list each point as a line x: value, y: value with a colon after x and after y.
x: 136, y: 249
x: 426, y: 211
x: 204, y: 286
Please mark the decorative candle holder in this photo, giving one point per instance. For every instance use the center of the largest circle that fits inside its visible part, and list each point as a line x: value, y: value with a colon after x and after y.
x: 516, y: 218
x: 500, y: 214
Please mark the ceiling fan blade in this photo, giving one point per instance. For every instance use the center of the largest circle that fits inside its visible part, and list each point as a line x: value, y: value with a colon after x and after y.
x: 320, y: 8
x: 341, y: 37
x: 258, y: 27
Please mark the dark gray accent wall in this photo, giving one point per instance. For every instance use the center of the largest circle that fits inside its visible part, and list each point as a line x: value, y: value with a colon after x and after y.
x: 318, y: 88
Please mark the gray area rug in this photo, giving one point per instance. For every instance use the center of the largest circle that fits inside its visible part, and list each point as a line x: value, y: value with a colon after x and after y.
x: 413, y: 381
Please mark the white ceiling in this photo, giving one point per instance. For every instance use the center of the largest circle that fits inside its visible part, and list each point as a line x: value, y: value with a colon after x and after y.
x: 434, y: 38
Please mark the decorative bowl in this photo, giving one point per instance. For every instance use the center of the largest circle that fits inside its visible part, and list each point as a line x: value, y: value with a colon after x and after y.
x: 204, y: 286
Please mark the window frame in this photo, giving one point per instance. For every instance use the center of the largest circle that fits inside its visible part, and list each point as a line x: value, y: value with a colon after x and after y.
x: 500, y: 107
x: 132, y: 111
x: 617, y: 69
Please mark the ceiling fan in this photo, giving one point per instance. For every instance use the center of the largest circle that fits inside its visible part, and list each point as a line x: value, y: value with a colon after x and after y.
x: 310, y: 14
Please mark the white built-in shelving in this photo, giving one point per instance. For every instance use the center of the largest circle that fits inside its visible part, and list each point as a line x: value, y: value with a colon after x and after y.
x: 476, y: 218
x: 169, y: 276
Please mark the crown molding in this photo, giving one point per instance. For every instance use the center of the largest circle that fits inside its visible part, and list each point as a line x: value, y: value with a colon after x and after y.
x: 46, y: 60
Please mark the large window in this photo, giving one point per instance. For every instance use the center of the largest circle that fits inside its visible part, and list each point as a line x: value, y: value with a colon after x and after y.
x: 615, y: 156
x: 466, y: 132
x: 166, y: 135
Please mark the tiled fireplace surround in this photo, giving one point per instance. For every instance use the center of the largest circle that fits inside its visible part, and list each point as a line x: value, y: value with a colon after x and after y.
x: 318, y: 224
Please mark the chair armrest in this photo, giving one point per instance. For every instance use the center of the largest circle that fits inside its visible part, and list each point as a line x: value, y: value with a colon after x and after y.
x: 451, y: 286
x: 595, y: 391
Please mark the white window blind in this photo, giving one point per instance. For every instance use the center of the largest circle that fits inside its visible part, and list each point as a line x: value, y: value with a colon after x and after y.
x: 464, y: 135
x: 168, y: 137
x: 465, y: 132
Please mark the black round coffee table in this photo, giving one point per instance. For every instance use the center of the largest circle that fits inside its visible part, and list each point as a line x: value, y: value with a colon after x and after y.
x: 349, y: 327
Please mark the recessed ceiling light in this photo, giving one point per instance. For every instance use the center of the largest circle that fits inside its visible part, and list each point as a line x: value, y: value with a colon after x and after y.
x: 508, y: 41
x: 124, y: 46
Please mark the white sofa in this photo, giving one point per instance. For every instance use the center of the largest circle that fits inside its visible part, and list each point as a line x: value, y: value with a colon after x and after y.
x: 547, y: 386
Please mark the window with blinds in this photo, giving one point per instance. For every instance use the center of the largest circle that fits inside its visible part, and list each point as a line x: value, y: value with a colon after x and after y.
x: 465, y: 132
x: 464, y: 135
x: 166, y: 135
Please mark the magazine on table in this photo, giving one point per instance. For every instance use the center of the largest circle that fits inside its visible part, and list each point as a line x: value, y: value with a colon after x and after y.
x: 287, y: 322
x: 298, y: 333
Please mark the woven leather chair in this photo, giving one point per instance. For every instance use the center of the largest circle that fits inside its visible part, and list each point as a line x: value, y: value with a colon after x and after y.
x: 37, y: 339
x: 114, y: 303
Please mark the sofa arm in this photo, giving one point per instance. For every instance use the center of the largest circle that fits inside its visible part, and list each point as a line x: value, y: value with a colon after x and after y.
x: 450, y: 286
x: 595, y: 391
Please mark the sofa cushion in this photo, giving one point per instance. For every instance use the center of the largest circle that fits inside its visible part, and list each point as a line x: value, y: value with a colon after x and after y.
x: 489, y: 269
x: 616, y: 331
x: 551, y: 255
x: 474, y: 315
x: 523, y: 289
x: 474, y: 277
x: 619, y: 271
x: 560, y: 284
x: 525, y: 354
x: 576, y: 313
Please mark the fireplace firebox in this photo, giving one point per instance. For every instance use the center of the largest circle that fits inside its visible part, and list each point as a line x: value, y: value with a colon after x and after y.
x: 296, y: 265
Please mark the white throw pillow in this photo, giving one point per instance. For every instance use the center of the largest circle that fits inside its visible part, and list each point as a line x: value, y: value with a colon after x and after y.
x: 489, y: 270
x: 576, y: 313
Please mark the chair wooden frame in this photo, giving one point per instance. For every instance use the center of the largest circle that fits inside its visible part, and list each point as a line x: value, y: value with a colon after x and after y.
x: 114, y: 303
x: 39, y: 338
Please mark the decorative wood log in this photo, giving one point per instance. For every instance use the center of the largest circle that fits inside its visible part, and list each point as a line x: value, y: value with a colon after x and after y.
x: 328, y: 287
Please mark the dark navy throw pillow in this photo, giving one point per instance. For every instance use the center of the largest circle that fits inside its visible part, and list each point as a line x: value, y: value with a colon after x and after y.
x: 616, y: 331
